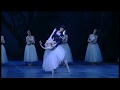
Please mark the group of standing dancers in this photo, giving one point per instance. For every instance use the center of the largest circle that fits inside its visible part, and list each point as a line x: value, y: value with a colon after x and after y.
x: 57, y: 50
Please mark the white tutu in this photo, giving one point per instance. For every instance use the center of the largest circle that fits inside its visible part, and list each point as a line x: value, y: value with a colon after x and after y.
x: 30, y: 54
x: 4, y: 58
x: 68, y: 55
x: 53, y: 58
x: 93, y: 53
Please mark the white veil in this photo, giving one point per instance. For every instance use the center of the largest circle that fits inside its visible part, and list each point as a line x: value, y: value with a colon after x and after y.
x: 64, y: 32
x: 50, y: 38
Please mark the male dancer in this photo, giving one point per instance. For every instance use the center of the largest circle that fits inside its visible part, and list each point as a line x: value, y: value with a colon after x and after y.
x: 57, y: 36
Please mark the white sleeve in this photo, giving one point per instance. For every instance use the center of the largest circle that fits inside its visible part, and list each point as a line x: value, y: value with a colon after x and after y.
x: 27, y: 40
x: 33, y: 39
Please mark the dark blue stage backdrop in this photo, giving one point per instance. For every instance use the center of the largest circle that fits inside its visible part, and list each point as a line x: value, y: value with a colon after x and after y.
x: 79, y: 25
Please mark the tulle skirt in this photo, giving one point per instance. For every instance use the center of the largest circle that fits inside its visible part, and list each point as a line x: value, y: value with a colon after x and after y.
x: 4, y: 58
x: 30, y: 54
x: 93, y: 53
x: 68, y: 55
x: 53, y: 58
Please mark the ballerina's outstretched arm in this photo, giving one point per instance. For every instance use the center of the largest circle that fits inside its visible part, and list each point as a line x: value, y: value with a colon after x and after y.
x: 41, y: 45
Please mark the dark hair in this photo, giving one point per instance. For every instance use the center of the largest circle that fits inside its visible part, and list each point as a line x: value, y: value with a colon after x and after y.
x: 96, y: 31
x: 63, y: 27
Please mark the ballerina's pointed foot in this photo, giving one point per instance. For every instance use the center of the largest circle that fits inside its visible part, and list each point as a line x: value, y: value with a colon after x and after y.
x: 68, y: 70
x: 53, y: 71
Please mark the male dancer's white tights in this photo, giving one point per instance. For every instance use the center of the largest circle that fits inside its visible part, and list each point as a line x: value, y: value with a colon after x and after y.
x: 66, y: 63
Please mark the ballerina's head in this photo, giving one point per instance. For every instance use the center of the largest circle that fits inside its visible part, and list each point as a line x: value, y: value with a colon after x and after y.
x: 28, y: 32
x: 95, y: 31
x: 50, y: 42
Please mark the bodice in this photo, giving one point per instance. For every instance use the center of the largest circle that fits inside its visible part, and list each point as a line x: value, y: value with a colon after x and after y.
x: 92, y: 37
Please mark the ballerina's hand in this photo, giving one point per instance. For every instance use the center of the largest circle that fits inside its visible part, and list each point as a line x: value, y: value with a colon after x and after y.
x: 40, y: 42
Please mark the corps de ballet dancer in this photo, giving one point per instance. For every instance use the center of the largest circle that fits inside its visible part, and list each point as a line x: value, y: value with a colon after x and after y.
x: 93, y: 53
x: 4, y: 58
x: 65, y: 45
x: 30, y: 54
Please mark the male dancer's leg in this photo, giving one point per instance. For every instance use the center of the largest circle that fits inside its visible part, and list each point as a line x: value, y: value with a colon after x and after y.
x: 66, y: 63
x: 53, y: 71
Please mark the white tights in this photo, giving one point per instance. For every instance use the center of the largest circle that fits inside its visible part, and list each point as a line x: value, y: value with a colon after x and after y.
x: 66, y: 63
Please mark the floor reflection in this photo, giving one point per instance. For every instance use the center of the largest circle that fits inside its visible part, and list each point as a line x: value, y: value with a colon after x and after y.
x: 16, y: 69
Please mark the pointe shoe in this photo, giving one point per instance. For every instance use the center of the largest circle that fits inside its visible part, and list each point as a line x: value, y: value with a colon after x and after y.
x: 68, y: 70
x: 53, y: 72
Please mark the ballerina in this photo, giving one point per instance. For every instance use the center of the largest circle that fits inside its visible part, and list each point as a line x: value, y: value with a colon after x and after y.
x: 65, y: 45
x: 30, y: 54
x: 93, y: 53
x: 53, y: 57
x: 4, y: 58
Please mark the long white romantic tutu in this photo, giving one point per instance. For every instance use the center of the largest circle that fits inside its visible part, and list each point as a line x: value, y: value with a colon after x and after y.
x: 4, y: 58
x: 53, y: 58
x: 93, y: 53
x: 30, y: 54
x: 68, y: 55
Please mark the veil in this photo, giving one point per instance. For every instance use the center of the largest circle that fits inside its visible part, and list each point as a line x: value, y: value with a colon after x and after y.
x: 50, y: 38
x: 64, y: 32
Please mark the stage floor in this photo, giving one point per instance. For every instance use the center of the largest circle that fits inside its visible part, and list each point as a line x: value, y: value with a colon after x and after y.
x: 16, y: 69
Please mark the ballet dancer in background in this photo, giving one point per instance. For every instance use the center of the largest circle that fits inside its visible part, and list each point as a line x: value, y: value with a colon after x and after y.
x: 30, y: 54
x: 65, y: 45
x: 4, y: 58
x: 93, y: 53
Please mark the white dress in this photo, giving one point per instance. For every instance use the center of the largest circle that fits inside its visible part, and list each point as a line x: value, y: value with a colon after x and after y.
x: 4, y: 58
x: 30, y: 54
x: 93, y: 53
x: 53, y: 58
x: 65, y: 45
